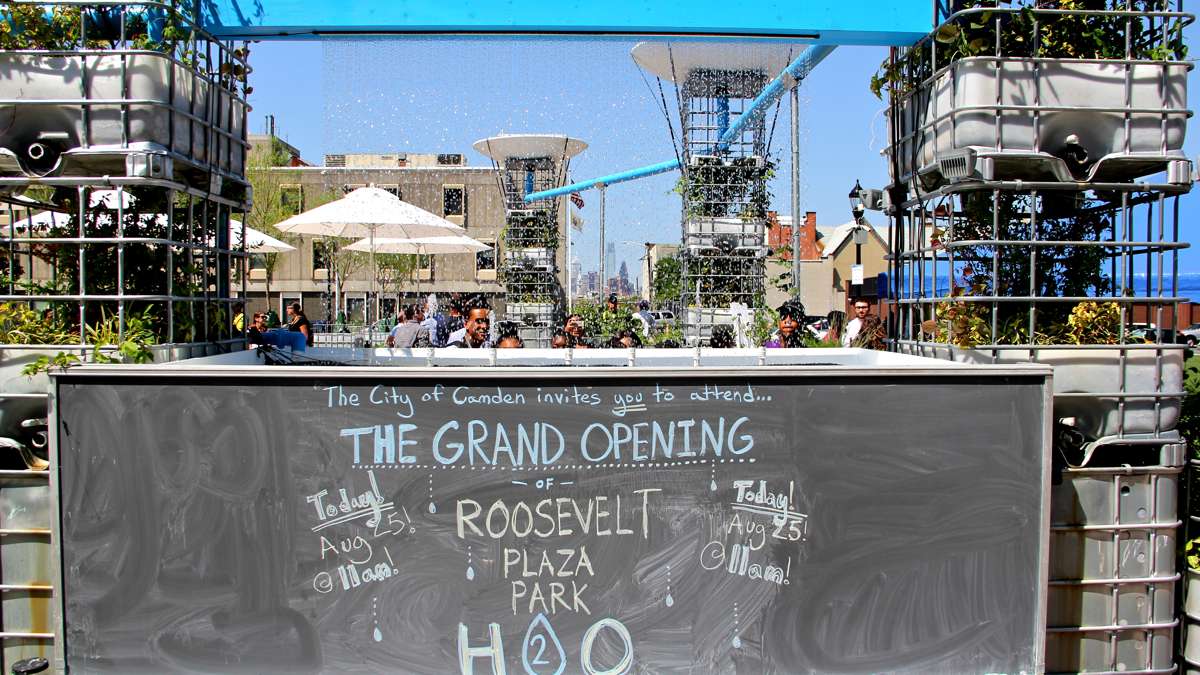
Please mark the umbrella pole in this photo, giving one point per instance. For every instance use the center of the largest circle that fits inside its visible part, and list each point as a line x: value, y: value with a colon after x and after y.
x: 374, y: 296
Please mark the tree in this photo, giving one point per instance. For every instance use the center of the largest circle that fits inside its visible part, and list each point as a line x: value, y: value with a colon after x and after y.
x: 271, y: 205
x: 667, y: 280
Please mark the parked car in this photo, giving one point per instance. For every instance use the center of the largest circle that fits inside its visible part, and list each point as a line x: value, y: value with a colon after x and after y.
x: 1190, y: 335
x: 1169, y: 336
x: 663, y: 318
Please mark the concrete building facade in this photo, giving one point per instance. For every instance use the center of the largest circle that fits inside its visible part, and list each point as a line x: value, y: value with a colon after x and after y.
x: 439, y: 183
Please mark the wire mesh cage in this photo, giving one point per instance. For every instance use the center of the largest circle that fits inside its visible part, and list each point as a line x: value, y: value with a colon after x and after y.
x: 1072, y: 275
x: 522, y: 176
x: 112, y: 88
x: 93, y: 261
x: 1041, y: 91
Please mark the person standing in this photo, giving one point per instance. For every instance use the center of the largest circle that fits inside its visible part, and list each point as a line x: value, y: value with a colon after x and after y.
x: 409, y: 333
x: 644, y: 317
x: 861, y: 308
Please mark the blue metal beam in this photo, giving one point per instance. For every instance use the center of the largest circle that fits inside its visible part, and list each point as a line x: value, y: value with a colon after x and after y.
x: 895, y: 22
x: 791, y: 76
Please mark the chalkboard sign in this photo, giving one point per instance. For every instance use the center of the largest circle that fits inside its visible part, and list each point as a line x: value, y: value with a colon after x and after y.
x: 552, y: 522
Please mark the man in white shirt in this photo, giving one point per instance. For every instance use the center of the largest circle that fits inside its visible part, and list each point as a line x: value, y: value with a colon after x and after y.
x: 861, y: 307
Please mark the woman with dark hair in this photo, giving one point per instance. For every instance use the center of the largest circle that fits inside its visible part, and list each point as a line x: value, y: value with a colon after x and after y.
x: 791, y: 318
x: 299, y: 323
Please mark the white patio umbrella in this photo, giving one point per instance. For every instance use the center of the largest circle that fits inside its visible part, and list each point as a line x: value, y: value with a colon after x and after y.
x: 372, y: 213
x: 421, y: 245
x: 257, y: 242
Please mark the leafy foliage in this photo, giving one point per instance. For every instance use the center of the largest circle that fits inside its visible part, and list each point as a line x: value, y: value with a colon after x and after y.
x: 20, y: 324
x: 668, y: 281
x: 1022, y: 28
x: 735, y: 187
x: 601, y: 324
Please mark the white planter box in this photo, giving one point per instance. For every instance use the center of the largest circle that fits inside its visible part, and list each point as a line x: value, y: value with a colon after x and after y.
x: 531, y: 313
x: 1018, y: 116
x: 1097, y: 371
x: 732, y: 234
x: 174, y: 110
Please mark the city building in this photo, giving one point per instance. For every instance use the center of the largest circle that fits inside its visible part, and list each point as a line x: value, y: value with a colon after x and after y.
x: 442, y: 184
x: 827, y: 255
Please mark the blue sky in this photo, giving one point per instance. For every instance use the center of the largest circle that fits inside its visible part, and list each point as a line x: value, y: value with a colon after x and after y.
x: 441, y: 94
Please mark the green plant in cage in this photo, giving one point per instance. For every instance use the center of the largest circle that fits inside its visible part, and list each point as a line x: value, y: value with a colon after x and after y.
x: 1019, y: 30
x: 737, y: 187
x: 21, y: 324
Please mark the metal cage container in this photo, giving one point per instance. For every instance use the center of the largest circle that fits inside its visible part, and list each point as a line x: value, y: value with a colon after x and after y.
x: 1020, y: 105
x: 143, y: 92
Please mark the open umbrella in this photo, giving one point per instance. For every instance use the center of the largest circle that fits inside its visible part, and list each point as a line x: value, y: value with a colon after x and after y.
x: 257, y: 242
x: 421, y: 245
x: 370, y: 212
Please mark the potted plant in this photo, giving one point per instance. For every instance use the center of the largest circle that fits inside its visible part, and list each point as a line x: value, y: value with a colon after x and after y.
x: 173, y: 81
x: 1081, y: 338
x: 1038, y: 90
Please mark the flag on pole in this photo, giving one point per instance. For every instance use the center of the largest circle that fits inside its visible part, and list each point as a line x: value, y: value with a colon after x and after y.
x: 577, y: 200
x: 576, y: 222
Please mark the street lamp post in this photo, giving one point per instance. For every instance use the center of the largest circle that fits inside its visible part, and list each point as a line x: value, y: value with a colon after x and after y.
x: 857, y: 209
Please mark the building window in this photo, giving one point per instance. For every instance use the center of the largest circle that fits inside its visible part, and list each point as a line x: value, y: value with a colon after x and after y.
x: 351, y: 187
x: 320, y: 256
x: 450, y: 160
x: 291, y: 197
x: 485, y: 263
x: 394, y: 189
x: 424, y: 267
x: 454, y: 203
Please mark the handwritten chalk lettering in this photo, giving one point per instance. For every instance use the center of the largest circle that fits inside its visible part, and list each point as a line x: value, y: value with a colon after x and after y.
x: 554, y: 517
x: 323, y: 582
x: 647, y: 441
x: 561, y: 562
x: 753, y: 497
x: 381, y: 395
x: 434, y: 395
x: 624, y: 403
x: 714, y: 392
x: 347, y: 508
x: 387, y: 443
x: 739, y: 560
x: 490, y: 397
x: 539, y: 444
x: 397, y: 524
x: 493, y: 650
x: 662, y: 395
x: 338, y: 398
x: 589, y: 639
x: 350, y: 547
x: 753, y: 534
x: 542, y: 648
x: 353, y: 576
x: 569, y: 396
x: 548, y: 597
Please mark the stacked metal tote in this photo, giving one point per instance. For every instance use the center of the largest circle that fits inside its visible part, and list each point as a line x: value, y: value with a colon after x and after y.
x: 724, y: 183
x: 122, y: 159
x: 528, y: 163
x: 1036, y: 166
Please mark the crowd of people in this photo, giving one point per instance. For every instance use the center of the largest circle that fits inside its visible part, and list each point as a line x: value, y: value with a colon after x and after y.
x: 467, y: 324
